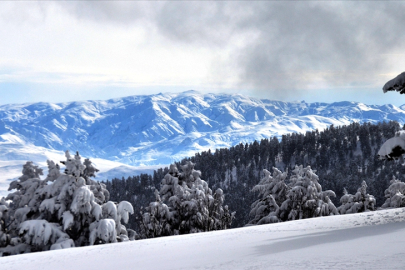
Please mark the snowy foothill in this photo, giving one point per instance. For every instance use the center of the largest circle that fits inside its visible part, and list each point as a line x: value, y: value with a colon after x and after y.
x: 371, y: 240
x: 15, y: 154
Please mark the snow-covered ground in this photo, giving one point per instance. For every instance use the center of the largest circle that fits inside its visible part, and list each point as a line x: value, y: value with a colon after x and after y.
x: 373, y: 240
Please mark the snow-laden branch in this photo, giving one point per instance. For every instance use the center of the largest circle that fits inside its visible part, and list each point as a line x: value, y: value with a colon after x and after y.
x: 396, y: 84
x: 393, y: 148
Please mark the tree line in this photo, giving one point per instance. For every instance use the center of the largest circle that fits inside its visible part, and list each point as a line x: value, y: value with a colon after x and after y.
x: 319, y: 173
x: 343, y: 157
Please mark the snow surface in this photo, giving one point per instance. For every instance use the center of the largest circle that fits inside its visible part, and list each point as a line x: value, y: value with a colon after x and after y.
x: 372, y: 240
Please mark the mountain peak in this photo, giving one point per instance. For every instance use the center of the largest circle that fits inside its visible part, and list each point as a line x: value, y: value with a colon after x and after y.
x: 152, y: 129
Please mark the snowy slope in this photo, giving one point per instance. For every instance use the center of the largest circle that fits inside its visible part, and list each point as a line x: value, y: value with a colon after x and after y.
x: 374, y: 240
x: 159, y: 129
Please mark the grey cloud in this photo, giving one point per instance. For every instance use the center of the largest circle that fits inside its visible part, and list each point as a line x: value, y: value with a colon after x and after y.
x: 340, y: 44
x: 122, y: 12
x: 22, y: 13
x: 198, y: 23
x: 179, y: 21
x: 297, y: 43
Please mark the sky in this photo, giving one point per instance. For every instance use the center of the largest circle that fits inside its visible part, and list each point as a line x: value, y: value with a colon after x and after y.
x: 317, y: 51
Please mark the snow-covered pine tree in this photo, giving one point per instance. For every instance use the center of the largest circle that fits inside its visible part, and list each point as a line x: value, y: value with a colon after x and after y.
x: 4, y: 220
x: 395, y: 194
x: 305, y: 198
x: 394, y: 147
x: 301, y: 198
x: 64, y: 210
x: 359, y: 202
x: 185, y: 204
x: 155, y: 219
x: 273, y: 191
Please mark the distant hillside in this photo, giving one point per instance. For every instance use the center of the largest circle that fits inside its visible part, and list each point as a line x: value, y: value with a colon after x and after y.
x: 162, y: 128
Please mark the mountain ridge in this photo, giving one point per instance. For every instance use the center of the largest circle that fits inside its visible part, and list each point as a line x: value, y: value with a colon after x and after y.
x: 155, y: 130
x: 161, y: 128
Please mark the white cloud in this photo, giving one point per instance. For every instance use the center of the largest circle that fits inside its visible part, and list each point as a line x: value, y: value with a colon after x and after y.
x: 277, y: 49
x: 65, y: 49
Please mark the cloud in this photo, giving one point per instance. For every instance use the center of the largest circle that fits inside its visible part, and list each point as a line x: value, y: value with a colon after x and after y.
x: 284, y: 47
x: 338, y: 45
x: 276, y: 48
x: 121, y: 12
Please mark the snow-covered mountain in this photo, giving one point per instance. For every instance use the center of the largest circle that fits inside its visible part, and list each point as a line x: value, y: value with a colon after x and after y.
x: 158, y: 129
x: 370, y: 240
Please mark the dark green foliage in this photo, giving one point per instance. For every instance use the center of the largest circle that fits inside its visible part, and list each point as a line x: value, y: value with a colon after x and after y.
x: 343, y: 157
x: 138, y: 190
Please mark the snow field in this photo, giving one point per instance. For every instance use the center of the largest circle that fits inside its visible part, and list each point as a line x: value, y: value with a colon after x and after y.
x: 371, y: 240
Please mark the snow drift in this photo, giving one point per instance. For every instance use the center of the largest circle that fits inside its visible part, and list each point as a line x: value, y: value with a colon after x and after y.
x: 373, y: 240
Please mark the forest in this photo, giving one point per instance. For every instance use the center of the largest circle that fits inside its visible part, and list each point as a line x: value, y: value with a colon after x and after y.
x: 339, y: 170
x: 342, y: 157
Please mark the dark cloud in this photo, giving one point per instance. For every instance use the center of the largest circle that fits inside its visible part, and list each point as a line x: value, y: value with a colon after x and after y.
x: 300, y: 43
x: 290, y: 46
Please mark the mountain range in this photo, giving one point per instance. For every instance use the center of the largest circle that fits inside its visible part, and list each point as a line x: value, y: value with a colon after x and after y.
x: 136, y: 133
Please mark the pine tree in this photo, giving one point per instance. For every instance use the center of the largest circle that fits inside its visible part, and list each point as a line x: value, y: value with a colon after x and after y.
x: 273, y: 191
x: 185, y: 204
x: 64, y: 210
x: 395, y: 194
x: 305, y: 198
x: 359, y: 202
x: 301, y: 198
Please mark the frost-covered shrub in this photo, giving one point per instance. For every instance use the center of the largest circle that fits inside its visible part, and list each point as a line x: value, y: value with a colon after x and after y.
x: 359, y: 202
x: 64, y: 210
x: 185, y: 204
x: 395, y: 194
x: 302, y: 197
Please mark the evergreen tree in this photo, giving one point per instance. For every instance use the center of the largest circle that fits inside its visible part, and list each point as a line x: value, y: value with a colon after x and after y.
x: 185, y: 204
x: 301, y: 198
x: 341, y: 155
x: 305, y: 198
x: 359, y: 202
x: 273, y: 191
x: 395, y: 194
x: 64, y: 210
